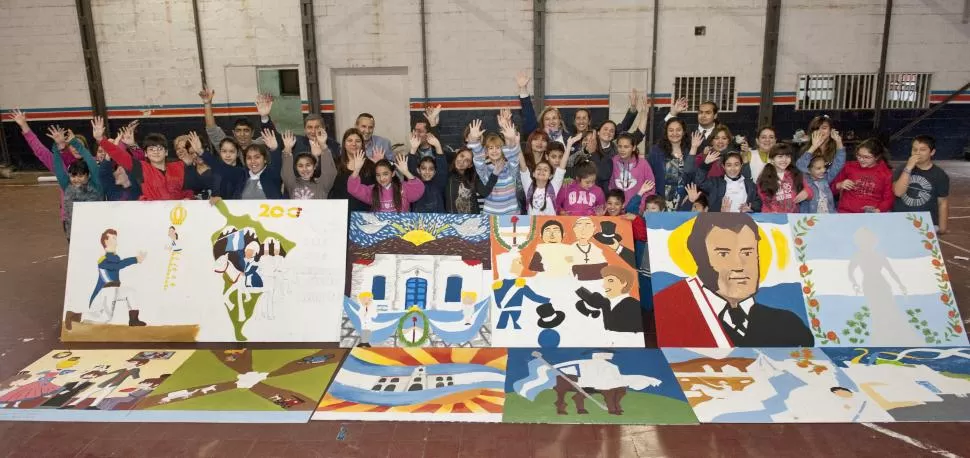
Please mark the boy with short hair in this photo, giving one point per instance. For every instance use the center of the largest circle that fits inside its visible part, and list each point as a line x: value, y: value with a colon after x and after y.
x: 920, y: 185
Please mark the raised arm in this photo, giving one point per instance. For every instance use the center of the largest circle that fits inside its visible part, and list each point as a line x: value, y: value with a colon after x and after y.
x: 529, y: 121
x: 88, y: 159
x: 839, y: 161
x: 286, y: 172
x: 43, y: 154
x: 212, y: 130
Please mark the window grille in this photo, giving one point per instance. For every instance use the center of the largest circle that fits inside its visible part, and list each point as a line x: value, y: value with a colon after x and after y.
x: 849, y: 91
x: 907, y: 91
x: 699, y: 89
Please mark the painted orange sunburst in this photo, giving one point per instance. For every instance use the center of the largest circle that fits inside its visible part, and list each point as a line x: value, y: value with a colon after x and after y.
x: 470, y: 401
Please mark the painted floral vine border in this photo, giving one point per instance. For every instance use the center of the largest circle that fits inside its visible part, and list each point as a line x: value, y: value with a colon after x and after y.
x: 800, y: 230
x: 953, y: 327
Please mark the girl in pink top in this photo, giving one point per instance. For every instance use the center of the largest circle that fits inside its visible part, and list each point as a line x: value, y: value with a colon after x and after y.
x: 582, y: 197
x: 781, y: 186
x: 630, y: 172
x: 389, y: 194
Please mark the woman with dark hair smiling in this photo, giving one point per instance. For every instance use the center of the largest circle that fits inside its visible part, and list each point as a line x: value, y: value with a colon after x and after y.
x: 673, y: 160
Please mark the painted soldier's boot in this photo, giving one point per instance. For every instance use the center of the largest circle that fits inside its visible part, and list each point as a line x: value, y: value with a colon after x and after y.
x: 133, y: 319
x: 70, y: 319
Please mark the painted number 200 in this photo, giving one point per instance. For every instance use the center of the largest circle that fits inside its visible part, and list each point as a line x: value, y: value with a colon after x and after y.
x: 275, y: 211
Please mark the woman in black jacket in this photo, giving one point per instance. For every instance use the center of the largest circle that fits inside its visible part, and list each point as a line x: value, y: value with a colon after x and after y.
x: 732, y: 192
x: 465, y: 189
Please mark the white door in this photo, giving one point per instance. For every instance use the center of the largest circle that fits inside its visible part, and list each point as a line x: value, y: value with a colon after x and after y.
x: 382, y: 92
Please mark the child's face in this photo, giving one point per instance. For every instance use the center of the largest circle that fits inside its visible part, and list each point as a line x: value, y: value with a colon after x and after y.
x: 922, y: 152
x: 426, y: 170
x: 101, y: 155
x: 614, y: 206
x: 781, y: 161
x: 156, y: 154
x: 539, y: 145
x: 384, y: 176
x: 865, y: 157
x: 624, y: 148
x: 554, y: 158
x: 305, y: 167
x: 698, y: 207
x: 228, y: 153
x: 825, y: 129
x: 79, y: 180
x: 494, y: 153
x: 463, y: 161
x: 652, y: 207
x: 732, y: 167
x: 817, y: 170
x: 587, y: 182
x: 543, y: 172
x: 255, y: 161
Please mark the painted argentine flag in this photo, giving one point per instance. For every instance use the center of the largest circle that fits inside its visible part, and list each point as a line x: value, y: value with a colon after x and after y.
x: 541, y: 377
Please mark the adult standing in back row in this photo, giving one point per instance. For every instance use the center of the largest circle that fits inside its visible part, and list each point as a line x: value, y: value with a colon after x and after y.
x: 373, y: 144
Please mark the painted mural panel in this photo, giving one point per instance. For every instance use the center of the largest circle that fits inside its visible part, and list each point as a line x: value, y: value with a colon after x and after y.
x: 573, y: 385
x: 726, y: 280
x: 876, y: 280
x: 417, y: 279
x: 418, y: 384
x: 562, y: 281
x: 186, y: 271
x: 769, y: 385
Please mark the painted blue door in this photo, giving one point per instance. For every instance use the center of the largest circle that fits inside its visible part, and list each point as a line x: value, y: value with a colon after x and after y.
x: 416, y: 293
x: 453, y: 289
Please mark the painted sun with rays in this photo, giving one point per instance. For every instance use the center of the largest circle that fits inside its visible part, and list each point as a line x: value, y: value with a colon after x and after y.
x: 418, y: 384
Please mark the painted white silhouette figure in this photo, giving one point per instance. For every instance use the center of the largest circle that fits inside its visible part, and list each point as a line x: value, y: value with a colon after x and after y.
x: 888, y: 321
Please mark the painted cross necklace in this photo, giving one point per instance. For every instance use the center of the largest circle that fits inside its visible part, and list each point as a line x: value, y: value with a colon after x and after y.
x: 589, y: 247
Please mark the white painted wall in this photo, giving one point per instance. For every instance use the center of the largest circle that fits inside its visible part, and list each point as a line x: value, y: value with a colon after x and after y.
x: 41, y: 53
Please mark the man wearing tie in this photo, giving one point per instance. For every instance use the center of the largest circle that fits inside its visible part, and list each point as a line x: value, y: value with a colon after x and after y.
x: 706, y: 118
x: 717, y: 308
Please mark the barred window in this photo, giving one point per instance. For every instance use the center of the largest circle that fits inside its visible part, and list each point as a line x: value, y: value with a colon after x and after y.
x: 907, y: 91
x: 699, y: 89
x: 848, y: 91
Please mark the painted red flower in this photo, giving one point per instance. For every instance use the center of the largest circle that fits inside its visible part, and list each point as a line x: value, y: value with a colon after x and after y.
x: 807, y: 290
x: 927, y: 245
x: 798, y: 241
x: 813, y: 302
x: 952, y: 314
x: 917, y: 223
x: 803, y: 268
x: 945, y: 298
x: 946, y: 277
x: 816, y: 323
x: 831, y: 335
x: 958, y: 329
x: 810, y: 223
x: 937, y: 263
x: 930, y: 235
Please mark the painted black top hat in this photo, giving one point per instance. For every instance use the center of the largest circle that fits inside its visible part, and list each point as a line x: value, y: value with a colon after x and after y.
x: 549, y: 317
x: 607, y: 234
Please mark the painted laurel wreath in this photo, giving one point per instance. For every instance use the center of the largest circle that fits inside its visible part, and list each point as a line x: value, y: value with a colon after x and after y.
x: 426, y: 331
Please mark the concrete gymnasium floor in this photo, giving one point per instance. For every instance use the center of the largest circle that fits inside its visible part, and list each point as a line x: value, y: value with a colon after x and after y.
x: 32, y: 272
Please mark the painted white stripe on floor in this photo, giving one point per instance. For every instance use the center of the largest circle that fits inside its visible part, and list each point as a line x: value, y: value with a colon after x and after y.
x: 955, y: 246
x: 909, y: 440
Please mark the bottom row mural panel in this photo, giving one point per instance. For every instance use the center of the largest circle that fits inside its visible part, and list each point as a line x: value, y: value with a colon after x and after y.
x: 543, y: 385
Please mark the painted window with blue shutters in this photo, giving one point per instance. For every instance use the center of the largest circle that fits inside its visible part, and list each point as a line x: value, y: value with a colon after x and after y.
x: 378, y: 286
x: 416, y: 293
x: 453, y: 289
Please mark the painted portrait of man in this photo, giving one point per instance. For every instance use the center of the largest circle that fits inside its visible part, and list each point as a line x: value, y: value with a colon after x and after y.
x: 721, y: 297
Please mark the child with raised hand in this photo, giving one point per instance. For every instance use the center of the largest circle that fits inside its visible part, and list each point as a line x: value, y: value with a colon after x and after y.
x: 544, y: 183
x: 781, y: 186
x: 464, y: 188
x: 629, y: 171
x: 389, y: 194
x: 865, y: 185
x: 263, y: 177
x: 433, y: 172
x: 301, y: 185
x: 820, y: 179
x: 43, y: 154
x: 76, y: 182
x: 731, y: 192
x: 488, y: 157
x: 157, y: 178
x: 199, y: 177
x: 698, y: 200
x: 112, y: 178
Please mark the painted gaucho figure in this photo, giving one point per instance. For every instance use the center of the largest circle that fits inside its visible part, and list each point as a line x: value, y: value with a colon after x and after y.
x: 717, y: 308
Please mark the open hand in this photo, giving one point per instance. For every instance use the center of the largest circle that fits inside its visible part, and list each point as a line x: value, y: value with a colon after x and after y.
x: 696, y: 139
x: 21, y: 119
x: 847, y: 185
x: 415, y: 142
x: 679, y: 106
x: 475, y: 132
x: 206, y: 95
x: 818, y: 139
x: 289, y: 141
x: 522, y: 80
x: 432, y: 114
x: 647, y: 187
x: 195, y: 142
x: 264, y: 104
x: 269, y: 139
x: 97, y: 128
x: 434, y: 142
x: 58, y: 134
x: 692, y: 192
x: 712, y: 156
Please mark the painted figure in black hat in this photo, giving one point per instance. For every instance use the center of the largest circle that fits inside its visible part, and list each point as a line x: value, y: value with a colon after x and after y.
x: 621, y: 313
x: 609, y: 237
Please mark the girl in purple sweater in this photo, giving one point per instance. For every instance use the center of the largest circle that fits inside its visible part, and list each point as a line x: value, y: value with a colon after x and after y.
x: 389, y: 194
x: 629, y: 171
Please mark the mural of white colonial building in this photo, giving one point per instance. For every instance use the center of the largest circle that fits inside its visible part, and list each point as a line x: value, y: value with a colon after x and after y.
x: 400, y: 281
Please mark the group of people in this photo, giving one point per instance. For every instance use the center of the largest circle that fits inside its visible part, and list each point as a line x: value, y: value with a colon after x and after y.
x: 544, y: 168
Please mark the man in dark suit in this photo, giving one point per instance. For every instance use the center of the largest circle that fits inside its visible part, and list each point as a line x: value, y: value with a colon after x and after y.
x: 621, y: 313
x: 706, y: 118
x: 720, y: 299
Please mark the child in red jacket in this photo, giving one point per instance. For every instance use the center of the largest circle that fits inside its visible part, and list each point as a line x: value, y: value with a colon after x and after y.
x: 865, y: 185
